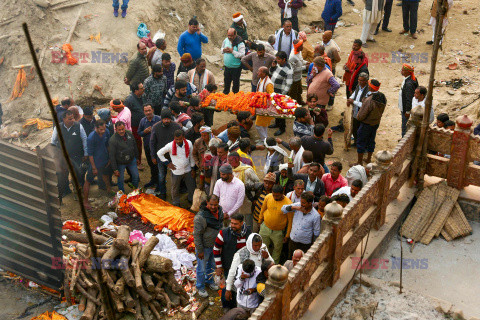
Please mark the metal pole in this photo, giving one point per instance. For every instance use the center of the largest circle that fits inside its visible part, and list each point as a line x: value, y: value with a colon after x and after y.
x: 421, y: 151
x: 106, y: 298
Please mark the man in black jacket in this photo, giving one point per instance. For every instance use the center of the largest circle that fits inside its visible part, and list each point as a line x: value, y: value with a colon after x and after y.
x: 76, y: 143
x: 318, y: 146
x: 407, y: 92
x: 312, y: 182
x: 134, y: 102
x: 123, y: 154
x: 162, y: 133
x: 355, y: 100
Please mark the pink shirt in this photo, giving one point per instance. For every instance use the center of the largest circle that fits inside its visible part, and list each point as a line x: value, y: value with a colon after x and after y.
x: 331, y: 185
x: 231, y: 195
x: 126, y: 117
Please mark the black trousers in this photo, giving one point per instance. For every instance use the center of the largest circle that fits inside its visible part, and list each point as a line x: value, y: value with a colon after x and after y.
x: 232, y: 75
x: 293, y: 20
x: 410, y: 10
x: 153, y: 167
x: 292, y: 246
x: 387, y: 11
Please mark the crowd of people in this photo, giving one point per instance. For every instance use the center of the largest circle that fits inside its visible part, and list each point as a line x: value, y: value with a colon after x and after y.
x: 259, y: 211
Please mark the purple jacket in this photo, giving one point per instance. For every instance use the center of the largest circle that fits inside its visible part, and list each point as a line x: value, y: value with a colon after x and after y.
x: 296, y: 4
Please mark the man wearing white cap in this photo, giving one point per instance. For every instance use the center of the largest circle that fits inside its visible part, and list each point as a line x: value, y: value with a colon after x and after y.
x: 240, y: 25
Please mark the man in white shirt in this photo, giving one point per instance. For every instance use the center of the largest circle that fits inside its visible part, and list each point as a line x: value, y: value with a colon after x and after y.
x: 231, y: 192
x: 181, y: 163
x: 356, y: 99
x: 295, y: 144
x: 351, y: 191
x: 419, y: 100
x: 284, y: 38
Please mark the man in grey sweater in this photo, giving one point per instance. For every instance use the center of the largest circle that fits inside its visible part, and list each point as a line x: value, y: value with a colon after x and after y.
x: 123, y: 154
x: 206, y: 225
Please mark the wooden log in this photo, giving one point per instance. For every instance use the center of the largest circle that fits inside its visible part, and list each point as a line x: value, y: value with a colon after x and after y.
x: 175, y: 286
x: 138, y: 309
x: 82, y: 237
x: 120, y: 246
x: 144, y: 294
x: 87, y: 295
x: 138, y: 276
x: 174, y: 298
x: 75, y: 274
x: 117, y: 301
x: 145, y: 252
x: 152, y: 308
x: 147, y: 279
x: 108, y: 279
x: 127, y: 274
x: 158, y: 264
x: 129, y: 302
x: 66, y: 287
x: 147, y: 314
x: 119, y: 286
x: 162, y: 296
x: 82, y: 304
x: 90, y: 308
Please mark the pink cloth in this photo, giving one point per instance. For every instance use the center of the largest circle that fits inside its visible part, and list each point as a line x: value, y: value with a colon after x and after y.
x: 126, y: 116
x: 331, y: 185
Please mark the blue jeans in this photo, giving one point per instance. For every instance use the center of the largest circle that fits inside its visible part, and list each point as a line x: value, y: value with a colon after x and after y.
x: 132, y: 166
x: 124, y: 5
x: 205, y: 268
x: 162, y: 178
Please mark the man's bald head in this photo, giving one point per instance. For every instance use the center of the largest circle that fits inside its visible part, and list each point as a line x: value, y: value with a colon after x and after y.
x: 231, y: 34
x: 297, y: 256
x: 142, y: 48
x: 262, y: 72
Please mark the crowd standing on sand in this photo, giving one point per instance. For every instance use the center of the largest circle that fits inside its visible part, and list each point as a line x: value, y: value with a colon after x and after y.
x: 246, y: 224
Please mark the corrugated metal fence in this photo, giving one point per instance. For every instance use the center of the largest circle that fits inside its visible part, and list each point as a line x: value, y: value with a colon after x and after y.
x: 30, y: 224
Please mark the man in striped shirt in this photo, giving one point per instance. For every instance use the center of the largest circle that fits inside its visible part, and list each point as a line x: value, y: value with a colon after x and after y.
x: 229, y: 240
x: 282, y: 78
x: 260, y: 191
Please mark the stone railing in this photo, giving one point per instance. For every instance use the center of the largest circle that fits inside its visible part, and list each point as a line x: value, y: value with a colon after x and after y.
x: 290, y: 294
x: 458, y: 149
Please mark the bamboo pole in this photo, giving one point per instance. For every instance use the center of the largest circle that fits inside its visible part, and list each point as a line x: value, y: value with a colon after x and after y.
x: 106, y: 298
x: 419, y: 163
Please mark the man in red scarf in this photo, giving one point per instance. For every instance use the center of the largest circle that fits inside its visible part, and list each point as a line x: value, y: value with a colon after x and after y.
x: 360, y: 65
x: 181, y: 164
x: 350, y: 65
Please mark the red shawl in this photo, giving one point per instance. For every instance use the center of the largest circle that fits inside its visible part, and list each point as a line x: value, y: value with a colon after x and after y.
x: 354, y: 74
x: 187, y: 148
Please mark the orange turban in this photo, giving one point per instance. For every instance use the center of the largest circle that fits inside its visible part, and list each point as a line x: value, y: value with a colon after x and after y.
x: 410, y: 69
x: 297, y: 46
x: 372, y: 86
x: 116, y: 106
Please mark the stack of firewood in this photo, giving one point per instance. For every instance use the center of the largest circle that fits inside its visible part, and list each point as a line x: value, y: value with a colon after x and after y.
x: 138, y: 282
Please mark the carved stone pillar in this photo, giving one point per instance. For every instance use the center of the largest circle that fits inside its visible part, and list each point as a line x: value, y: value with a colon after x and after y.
x: 459, y: 154
x: 331, y: 220
x: 278, y: 285
x: 383, y: 159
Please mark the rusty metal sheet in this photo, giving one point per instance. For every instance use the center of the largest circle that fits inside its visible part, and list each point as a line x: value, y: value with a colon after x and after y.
x: 30, y: 224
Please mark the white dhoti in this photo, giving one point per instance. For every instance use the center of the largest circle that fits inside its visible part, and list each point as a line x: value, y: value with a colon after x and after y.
x: 370, y: 22
x: 433, y: 23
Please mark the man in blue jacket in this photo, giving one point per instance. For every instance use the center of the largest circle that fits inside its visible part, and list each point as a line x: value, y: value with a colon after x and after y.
x: 191, y: 40
x: 331, y: 13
